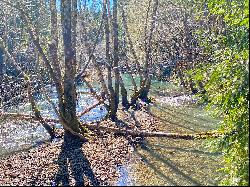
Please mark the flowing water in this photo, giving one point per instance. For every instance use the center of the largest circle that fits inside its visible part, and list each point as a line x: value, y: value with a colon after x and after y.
x: 169, y: 162
x: 19, y: 135
x: 159, y: 161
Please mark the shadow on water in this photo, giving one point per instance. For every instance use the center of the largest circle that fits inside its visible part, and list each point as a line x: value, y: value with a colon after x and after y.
x: 182, y: 118
x: 164, y: 120
x: 152, y: 166
x: 195, y: 151
x: 185, y: 114
x: 72, y: 154
x: 170, y: 165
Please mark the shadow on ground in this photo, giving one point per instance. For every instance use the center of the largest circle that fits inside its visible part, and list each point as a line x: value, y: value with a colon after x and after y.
x: 71, y: 157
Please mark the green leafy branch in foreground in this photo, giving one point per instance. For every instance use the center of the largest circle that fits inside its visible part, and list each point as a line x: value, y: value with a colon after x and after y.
x: 226, y: 79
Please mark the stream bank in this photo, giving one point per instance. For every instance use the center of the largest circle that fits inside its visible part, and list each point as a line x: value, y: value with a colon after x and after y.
x: 104, y: 154
x: 117, y: 160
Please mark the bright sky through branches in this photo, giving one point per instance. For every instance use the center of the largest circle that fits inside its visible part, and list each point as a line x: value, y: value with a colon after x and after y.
x: 93, y: 4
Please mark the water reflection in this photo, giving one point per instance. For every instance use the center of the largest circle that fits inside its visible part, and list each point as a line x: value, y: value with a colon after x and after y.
x: 168, y: 162
x: 125, y: 179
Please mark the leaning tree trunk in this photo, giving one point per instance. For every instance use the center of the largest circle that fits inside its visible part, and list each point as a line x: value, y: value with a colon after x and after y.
x: 188, y: 45
x: 145, y: 91
x: 148, y: 61
x: 125, y: 25
x: 53, y: 51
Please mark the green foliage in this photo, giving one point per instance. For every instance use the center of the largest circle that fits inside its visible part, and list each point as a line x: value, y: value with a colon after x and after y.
x: 226, y: 78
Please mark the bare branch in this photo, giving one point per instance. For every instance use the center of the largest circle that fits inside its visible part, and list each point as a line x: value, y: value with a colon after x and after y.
x: 91, y: 51
x: 90, y: 108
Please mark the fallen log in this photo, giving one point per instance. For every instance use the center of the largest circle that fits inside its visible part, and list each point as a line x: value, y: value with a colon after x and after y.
x: 126, y: 132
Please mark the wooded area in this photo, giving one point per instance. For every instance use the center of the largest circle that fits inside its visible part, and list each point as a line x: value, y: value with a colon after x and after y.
x: 51, y: 47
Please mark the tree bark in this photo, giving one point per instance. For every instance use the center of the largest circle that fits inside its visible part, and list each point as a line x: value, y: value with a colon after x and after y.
x: 125, y: 25
x: 37, y: 112
x: 101, y: 78
x: 69, y: 109
x: 112, y: 107
x: 53, y: 49
x: 116, y: 56
x: 124, y: 94
x: 188, y: 46
x: 148, y: 49
x: 144, y: 93
x: 145, y: 84
x: 1, y: 63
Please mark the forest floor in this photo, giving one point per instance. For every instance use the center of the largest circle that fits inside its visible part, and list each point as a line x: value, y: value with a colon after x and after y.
x: 152, y: 161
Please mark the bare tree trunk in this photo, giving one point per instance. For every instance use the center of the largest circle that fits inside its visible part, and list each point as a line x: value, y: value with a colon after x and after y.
x: 112, y: 107
x: 124, y: 94
x: 1, y: 63
x: 69, y: 110
x: 93, y: 58
x: 180, y: 75
x: 146, y: 82
x: 148, y: 60
x: 4, y: 40
x: 116, y: 55
x: 145, y: 91
x: 101, y: 78
x: 74, y: 26
x: 53, y: 49
x: 107, y: 39
x: 37, y: 112
x: 188, y: 45
x: 124, y: 21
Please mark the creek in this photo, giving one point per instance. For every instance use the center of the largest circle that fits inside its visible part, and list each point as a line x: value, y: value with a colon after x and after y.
x: 160, y: 161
